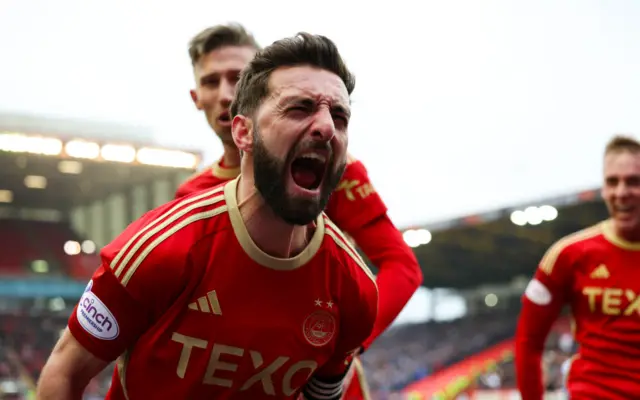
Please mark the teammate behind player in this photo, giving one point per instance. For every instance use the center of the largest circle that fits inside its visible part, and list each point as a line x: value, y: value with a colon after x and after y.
x: 596, y: 272
x: 217, y: 55
x: 243, y: 291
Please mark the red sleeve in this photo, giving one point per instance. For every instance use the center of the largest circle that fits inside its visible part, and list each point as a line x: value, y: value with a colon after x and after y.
x: 542, y: 302
x: 355, y: 202
x: 142, y: 272
x: 360, y: 299
x: 399, y: 274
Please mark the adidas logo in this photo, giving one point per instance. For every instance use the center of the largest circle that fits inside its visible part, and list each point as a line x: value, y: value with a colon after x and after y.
x: 600, y: 273
x: 207, y: 304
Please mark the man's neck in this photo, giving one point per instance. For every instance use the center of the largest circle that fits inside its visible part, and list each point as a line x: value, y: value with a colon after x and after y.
x: 632, y: 236
x: 268, y: 231
x: 231, y: 156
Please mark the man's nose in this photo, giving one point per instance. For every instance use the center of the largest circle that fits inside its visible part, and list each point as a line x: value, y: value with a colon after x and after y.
x: 227, y: 91
x: 323, y: 127
x: 621, y: 190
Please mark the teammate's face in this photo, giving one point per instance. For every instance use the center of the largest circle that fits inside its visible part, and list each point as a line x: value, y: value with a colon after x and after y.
x: 300, y: 141
x: 216, y: 75
x: 621, y: 192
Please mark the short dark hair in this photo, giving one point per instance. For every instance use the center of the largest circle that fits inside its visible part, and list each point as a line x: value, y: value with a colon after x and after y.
x: 215, y: 37
x: 620, y: 143
x: 301, y: 49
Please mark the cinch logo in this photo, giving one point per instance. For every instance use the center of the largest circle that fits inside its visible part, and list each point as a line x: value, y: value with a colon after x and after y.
x: 96, y: 318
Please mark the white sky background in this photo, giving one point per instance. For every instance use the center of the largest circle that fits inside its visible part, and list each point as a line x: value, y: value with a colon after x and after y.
x: 460, y: 106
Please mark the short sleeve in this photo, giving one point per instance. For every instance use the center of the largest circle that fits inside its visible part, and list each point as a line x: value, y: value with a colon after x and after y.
x: 553, y: 277
x: 554, y: 271
x: 355, y: 201
x: 103, y: 321
x: 141, y: 273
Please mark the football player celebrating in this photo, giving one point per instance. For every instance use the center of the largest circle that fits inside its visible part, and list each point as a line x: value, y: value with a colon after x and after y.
x: 596, y: 272
x: 246, y: 290
x: 218, y: 54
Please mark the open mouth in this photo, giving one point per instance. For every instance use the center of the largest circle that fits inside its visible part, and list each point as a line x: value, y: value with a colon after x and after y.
x: 224, y: 118
x: 308, y: 170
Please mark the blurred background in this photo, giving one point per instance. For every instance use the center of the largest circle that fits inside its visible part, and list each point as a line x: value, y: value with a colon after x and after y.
x: 492, y: 115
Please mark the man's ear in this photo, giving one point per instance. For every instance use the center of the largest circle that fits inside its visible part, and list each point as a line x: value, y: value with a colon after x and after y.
x: 194, y: 97
x: 242, y: 132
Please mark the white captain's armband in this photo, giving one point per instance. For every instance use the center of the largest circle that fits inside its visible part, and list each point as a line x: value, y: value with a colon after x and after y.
x: 538, y: 293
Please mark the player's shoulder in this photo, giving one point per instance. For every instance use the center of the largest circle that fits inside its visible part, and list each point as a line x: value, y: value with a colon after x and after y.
x: 348, y: 256
x: 573, y: 244
x: 167, y: 232
x: 212, y: 175
x: 204, y: 176
x: 354, y: 166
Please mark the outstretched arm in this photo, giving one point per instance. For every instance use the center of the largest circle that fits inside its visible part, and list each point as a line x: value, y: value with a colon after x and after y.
x: 68, y: 371
x: 399, y: 274
x: 359, y: 211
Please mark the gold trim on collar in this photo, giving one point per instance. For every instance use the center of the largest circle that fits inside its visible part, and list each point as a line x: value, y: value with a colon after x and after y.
x: 223, y: 172
x: 253, y: 251
x: 610, y: 234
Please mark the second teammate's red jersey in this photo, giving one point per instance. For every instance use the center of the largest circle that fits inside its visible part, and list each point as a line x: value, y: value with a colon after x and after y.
x: 597, y: 274
x: 200, y: 312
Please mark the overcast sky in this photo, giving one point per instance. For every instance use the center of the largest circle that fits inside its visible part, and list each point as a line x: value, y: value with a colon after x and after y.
x: 460, y: 106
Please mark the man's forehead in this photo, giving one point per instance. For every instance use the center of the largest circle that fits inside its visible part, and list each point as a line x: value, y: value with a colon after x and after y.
x: 224, y: 59
x: 292, y: 83
x: 622, y: 163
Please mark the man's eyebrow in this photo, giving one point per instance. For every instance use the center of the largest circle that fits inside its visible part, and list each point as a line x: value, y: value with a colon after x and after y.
x: 208, y: 76
x: 307, y: 100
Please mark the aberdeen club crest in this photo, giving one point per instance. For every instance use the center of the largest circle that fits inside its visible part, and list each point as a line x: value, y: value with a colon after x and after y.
x: 319, y: 328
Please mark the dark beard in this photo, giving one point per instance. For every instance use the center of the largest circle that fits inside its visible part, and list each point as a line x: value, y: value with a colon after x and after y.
x: 270, y: 176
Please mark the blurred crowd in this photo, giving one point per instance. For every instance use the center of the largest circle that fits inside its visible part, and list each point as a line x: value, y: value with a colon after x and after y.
x: 402, y: 355
x: 412, y: 352
x: 26, y: 340
x: 560, y: 347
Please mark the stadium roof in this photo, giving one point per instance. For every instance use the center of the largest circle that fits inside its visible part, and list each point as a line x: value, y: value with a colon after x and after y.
x: 66, y: 128
x: 50, y: 171
x: 488, y: 249
x: 37, y: 181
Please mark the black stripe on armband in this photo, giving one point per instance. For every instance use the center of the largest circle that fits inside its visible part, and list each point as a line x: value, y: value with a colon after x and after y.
x: 324, y: 389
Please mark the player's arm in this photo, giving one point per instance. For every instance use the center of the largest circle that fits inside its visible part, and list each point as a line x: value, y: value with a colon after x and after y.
x: 399, y: 274
x: 69, y: 370
x: 542, y: 302
x: 360, y: 302
x: 134, y: 285
x: 356, y: 208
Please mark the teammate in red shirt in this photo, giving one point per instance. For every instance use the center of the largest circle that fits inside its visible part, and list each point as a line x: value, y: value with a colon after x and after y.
x: 596, y: 272
x: 245, y: 290
x: 218, y: 54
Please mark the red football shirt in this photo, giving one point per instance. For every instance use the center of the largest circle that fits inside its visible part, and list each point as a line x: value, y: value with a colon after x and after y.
x: 597, y: 274
x: 357, y: 209
x: 194, y: 309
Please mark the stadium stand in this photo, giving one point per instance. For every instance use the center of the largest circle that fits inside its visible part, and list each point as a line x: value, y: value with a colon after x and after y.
x: 87, y: 189
x: 62, y: 196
